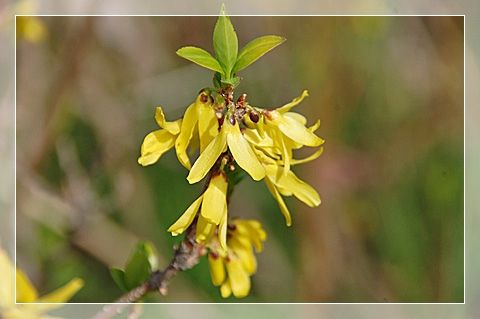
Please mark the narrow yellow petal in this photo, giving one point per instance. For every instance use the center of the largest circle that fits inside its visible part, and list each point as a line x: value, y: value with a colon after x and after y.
x: 260, y: 126
x: 253, y: 137
x: 217, y: 269
x: 222, y: 229
x: 215, y: 199
x: 314, y: 127
x: 205, y: 230
x: 253, y: 229
x: 279, y: 199
x: 307, y: 159
x: 290, y: 184
x: 242, y: 152
x: 286, y: 153
x: 172, y: 127
x: 154, y: 146
x: 186, y: 132
x: 238, y: 277
x: 207, y: 125
x: 297, y: 117
x: 265, y: 156
x: 304, y: 191
x: 26, y: 292
x: 298, y: 132
x: 287, y: 107
x: 226, y: 289
x: 245, y: 255
x: 186, y: 219
x: 64, y: 293
x: 207, y: 158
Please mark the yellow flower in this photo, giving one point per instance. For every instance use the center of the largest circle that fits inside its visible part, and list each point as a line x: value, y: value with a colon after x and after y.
x: 26, y: 293
x: 288, y: 130
x: 158, y: 142
x: 199, y: 123
x: 231, y: 136
x: 232, y: 269
x: 288, y: 184
x: 213, y: 212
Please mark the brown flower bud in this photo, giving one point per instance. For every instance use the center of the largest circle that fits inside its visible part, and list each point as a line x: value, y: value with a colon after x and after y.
x: 254, y: 116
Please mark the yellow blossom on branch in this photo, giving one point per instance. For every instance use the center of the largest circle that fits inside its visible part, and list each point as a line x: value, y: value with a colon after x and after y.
x: 232, y: 269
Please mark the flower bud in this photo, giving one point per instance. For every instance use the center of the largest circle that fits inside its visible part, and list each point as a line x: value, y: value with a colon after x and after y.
x: 254, y: 116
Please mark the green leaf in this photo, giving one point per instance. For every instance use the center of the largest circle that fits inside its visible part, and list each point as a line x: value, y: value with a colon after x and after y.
x: 200, y: 57
x: 140, y: 265
x: 255, y: 49
x: 225, y: 42
x: 118, y: 276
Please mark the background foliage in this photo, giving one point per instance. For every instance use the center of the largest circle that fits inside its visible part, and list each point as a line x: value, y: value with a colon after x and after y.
x: 389, y: 93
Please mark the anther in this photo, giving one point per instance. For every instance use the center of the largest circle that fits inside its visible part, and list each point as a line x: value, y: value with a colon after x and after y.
x: 254, y: 116
x: 232, y: 120
x: 203, y: 98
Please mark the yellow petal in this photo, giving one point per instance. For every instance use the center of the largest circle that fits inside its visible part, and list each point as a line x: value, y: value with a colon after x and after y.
x: 286, y: 153
x: 217, y: 269
x: 242, y: 152
x: 297, y: 132
x: 253, y: 137
x: 297, y: 117
x: 299, y: 188
x: 26, y: 292
x: 265, y: 156
x: 205, y: 230
x: 307, y: 159
x: 238, y: 277
x: 172, y: 127
x: 222, y: 229
x: 154, y: 146
x: 186, y: 132
x: 215, y: 199
x: 64, y: 293
x: 207, y: 158
x: 261, y: 126
x: 186, y: 219
x: 254, y: 231
x: 314, y: 127
x: 287, y: 107
x: 226, y: 289
x: 279, y: 199
x: 207, y: 124
x: 245, y: 255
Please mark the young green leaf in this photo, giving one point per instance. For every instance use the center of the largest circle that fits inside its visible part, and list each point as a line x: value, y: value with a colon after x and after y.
x: 140, y: 265
x: 200, y: 57
x: 255, y: 49
x: 225, y: 43
x: 118, y: 276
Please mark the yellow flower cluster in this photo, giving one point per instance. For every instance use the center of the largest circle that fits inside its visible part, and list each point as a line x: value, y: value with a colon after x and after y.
x: 26, y: 293
x: 231, y: 269
x: 225, y: 133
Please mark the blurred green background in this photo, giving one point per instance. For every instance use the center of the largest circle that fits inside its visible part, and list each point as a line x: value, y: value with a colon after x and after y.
x: 389, y: 93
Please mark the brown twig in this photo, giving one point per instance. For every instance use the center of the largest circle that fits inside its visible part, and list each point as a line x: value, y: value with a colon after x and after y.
x: 186, y: 256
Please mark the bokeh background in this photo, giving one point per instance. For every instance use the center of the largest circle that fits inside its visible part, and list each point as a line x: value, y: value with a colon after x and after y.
x: 388, y: 91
